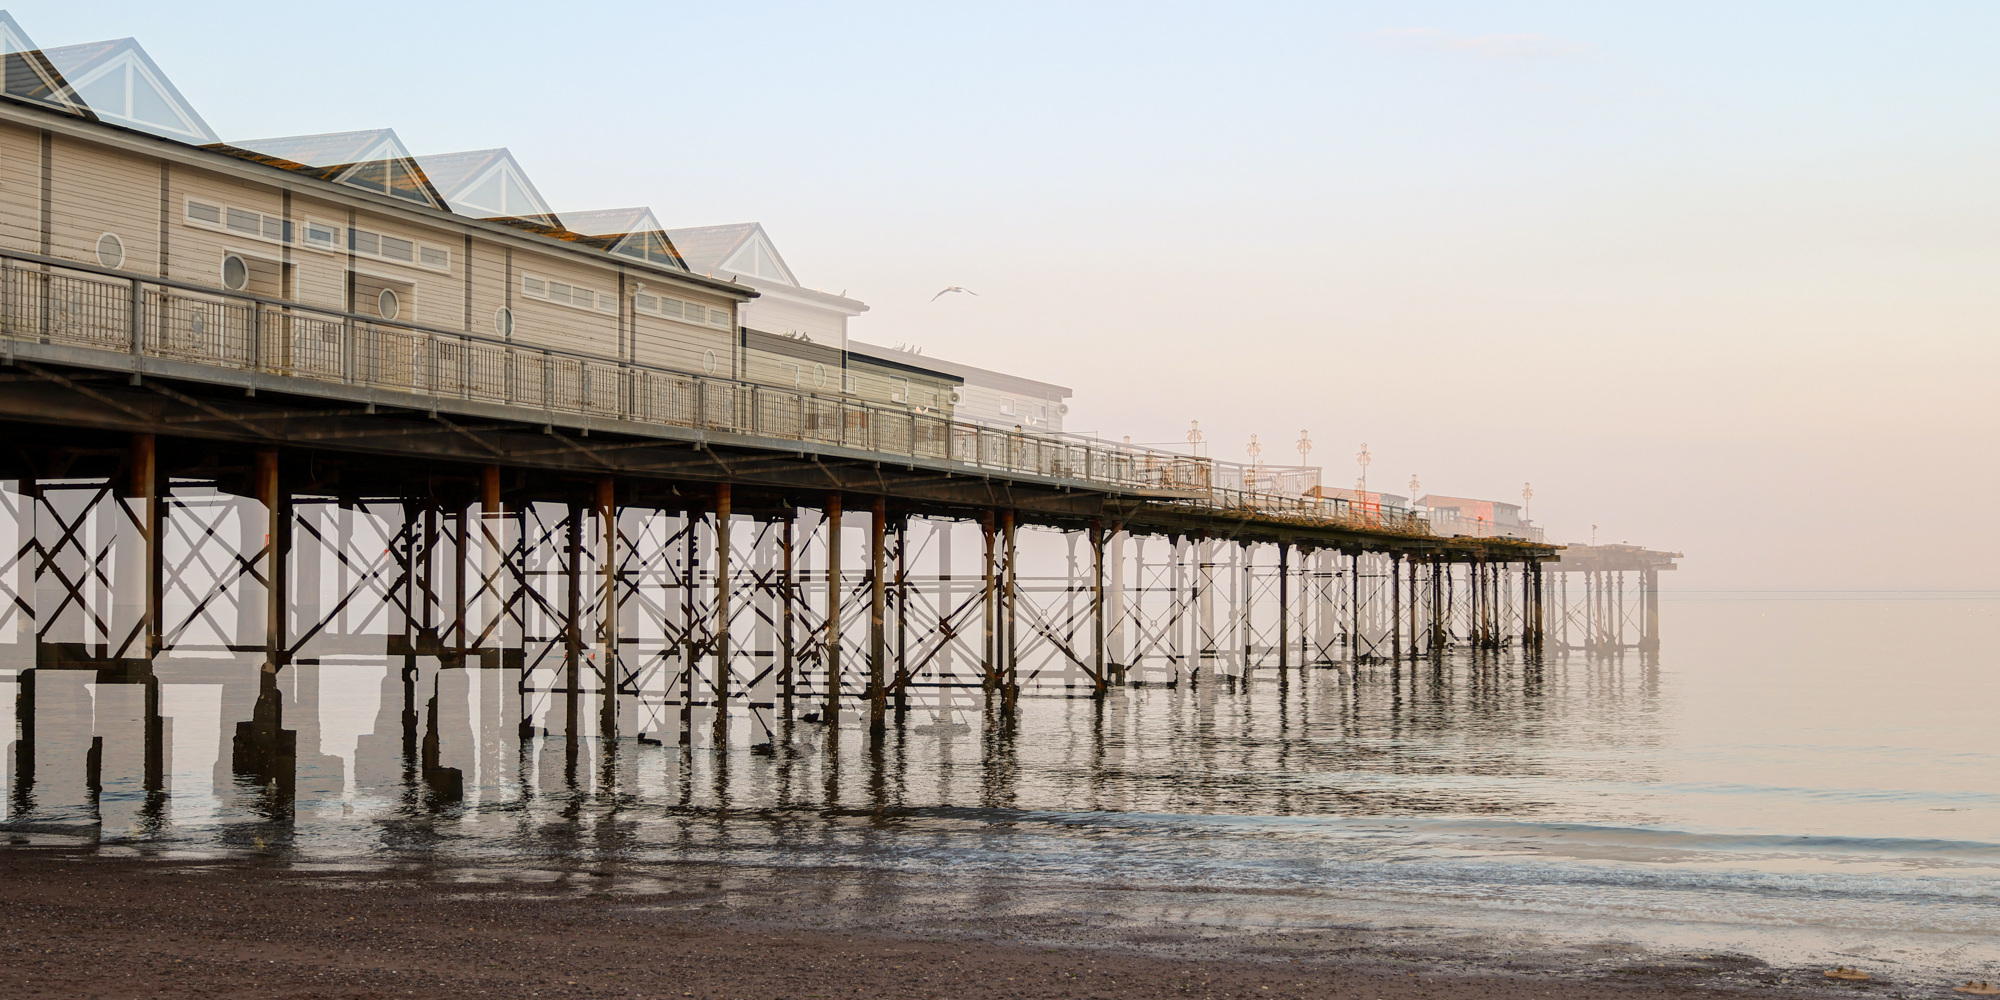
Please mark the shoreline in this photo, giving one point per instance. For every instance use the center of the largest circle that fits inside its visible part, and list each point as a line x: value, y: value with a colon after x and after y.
x: 87, y: 923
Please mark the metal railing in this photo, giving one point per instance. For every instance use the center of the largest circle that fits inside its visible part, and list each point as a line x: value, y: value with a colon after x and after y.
x: 1460, y: 527
x: 47, y: 300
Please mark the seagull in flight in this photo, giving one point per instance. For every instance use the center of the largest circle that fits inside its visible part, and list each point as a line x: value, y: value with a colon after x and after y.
x: 954, y: 288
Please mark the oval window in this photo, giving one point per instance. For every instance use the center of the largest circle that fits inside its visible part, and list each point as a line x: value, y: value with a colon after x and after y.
x: 503, y: 322
x: 387, y: 304
x: 708, y: 359
x: 110, y: 250
x: 819, y: 376
x: 235, y: 273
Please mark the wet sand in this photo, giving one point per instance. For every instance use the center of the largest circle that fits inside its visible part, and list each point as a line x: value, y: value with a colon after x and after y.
x: 82, y: 923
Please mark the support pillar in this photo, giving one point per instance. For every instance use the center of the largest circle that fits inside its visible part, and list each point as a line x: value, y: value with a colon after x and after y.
x: 263, y: 748
x: 572, y: 631
x: 146, y: 490
x: 833, y: 586
x: 1284, y: 608
x: 1396, y: 607
x: 607, y: 613
x: 1097, y: 675
x: 1010, y: 585
x: 902, y: 615
x: 787, y: 593
x: 990, y: 650
x: 722, y: 589
x: 490, y: 534
x: 1650, y: 639
x: 878, y: 703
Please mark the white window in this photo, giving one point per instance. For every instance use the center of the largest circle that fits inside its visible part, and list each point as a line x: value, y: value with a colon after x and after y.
x: 686, y: 312
x: 564, y: 293
x: 238, y: 221
x: 110, y: 250
x: 850, y: 383
x: 324, y: 235
x: 382, y: 246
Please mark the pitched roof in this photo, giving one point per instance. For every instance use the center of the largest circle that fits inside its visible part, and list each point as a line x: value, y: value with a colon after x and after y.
x: 29, y: 76
x: 740, y: 248
x: 968, y: 374
x: 371, y: 159
x: 1437, y: 500
x: 628, y: 232
x: 486, y: 184
x: 123, y: 85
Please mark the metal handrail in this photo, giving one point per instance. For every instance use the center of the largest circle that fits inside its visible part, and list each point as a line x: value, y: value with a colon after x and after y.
x: 58, y: 301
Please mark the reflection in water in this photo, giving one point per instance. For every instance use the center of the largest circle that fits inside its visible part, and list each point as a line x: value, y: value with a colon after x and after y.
x: 177, y: 753
x: 1736, y: 797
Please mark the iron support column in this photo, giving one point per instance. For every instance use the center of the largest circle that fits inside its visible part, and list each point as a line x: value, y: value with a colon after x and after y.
x: 990, y: 649
x: 833, y: 585
x: 572, y: 634
x: 1010, y: 585
x: 607, y: 613
x: 787, y: 591
x: 721, y: 631
x: 1284, y: 607
x: 877, y: 597
x: 1097, y: 606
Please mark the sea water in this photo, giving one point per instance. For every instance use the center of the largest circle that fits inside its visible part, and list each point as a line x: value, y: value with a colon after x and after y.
x: 1807, y: 777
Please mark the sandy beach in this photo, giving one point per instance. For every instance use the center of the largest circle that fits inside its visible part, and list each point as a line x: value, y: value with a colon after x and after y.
x: 86, y: 924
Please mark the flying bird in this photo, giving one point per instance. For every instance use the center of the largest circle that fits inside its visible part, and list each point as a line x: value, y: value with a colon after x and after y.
x: 954, y: 288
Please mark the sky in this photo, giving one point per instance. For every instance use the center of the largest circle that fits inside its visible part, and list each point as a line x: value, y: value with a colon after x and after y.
x: 1713, y: 277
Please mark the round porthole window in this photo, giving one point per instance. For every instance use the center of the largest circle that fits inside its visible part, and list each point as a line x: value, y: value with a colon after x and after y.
x: 819, y: 376
x: 387, y: 304
x: 110, y: 250
x: 235, y: 273
x: 503, y: 322
x: 708, y: 361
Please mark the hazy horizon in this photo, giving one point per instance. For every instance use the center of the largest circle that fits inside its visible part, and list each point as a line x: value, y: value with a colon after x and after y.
x: 1710, y: 277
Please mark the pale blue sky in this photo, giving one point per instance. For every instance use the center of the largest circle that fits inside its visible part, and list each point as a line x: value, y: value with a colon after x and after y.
x: 1714, y: 276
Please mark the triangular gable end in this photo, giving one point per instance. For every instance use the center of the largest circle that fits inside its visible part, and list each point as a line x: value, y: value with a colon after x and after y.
x: 388, y: 168
x: 125, y: 87
x: 757, y: 258
x: 651, y: 246
x: 502, y: 190
x: 30, y: 76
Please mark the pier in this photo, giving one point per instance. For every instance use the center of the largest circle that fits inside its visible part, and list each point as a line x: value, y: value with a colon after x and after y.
x: 311, y: 402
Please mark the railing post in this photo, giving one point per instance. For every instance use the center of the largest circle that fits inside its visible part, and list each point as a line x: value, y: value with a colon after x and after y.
x: 256, y: 337
x: 138, y: 322
x: 349, y: 347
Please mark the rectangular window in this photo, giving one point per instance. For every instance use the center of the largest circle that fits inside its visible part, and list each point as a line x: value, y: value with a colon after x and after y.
x: 239, y: 221
x: 381, y: 245
x: 322, y: 235
x: 567, y: 294
x: 687, y: 312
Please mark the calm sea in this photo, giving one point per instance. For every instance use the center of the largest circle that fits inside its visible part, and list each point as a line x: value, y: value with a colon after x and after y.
x: 1810, y: 777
